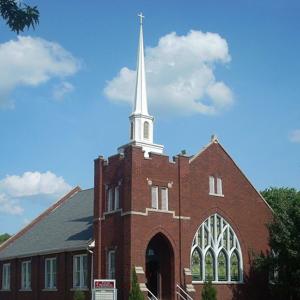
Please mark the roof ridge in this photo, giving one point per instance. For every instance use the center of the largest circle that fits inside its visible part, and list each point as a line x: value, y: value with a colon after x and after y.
x: 40, y: 217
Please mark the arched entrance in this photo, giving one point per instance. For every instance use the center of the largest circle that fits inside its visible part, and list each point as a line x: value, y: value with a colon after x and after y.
x: 160, y: 267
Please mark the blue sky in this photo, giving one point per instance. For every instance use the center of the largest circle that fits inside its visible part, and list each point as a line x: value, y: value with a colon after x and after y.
x: 56, y: 115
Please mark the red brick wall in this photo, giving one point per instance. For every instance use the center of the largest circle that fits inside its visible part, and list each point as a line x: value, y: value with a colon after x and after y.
x: 189, y: 196
x: 64, y: 278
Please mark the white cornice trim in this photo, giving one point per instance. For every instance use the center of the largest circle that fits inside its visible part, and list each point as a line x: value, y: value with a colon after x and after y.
x: 145, y: 214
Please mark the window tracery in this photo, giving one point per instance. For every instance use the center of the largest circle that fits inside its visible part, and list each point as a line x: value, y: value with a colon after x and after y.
x: 216, y: 252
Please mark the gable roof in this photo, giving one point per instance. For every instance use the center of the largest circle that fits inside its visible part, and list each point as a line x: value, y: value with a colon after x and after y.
x: 216, y: 141
x: 67, y: 225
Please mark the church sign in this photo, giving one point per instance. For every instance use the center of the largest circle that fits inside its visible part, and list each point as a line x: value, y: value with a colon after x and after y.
x: 104, y: 289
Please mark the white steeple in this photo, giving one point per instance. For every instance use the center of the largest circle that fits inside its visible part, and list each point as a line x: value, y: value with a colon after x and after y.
x: 141, y: 123
x: 140, y: 101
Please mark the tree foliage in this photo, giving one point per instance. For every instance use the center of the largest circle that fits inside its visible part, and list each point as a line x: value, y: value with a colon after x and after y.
x: 18, y: 16
x: 4, y: 237
x: 135, y: 292
x: 79, y: 295
x: 283, y: 261
x: 208, y: 291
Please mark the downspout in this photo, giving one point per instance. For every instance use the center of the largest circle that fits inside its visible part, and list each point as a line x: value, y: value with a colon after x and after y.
x: 179, y: 192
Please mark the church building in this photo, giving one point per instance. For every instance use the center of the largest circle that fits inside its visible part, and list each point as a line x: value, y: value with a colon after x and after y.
x: 177, y: 222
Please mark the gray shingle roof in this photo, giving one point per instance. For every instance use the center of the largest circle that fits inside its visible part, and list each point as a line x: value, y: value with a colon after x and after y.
x: 69, y: 226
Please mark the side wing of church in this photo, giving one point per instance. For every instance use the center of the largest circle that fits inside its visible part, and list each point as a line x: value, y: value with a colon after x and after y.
x: 176, y: 222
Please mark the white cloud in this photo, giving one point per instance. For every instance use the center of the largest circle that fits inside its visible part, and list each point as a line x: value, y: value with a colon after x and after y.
x: 9, y: 206
x: 60, y: 90
x: 30, y: 61
x: 34, y: 183
x: 180, y: 75
x: 30, y: 184
x: 294, y: 136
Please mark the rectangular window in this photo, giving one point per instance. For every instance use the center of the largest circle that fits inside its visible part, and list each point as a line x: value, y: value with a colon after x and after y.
x: 110, y: 200
x: 164, y: 199
x: 117, y: 198
x: 26, y: 275
x: 211, y: 185
x: 111, y: 264
x: 6, y: 277
x: 219, y: 186
x: 80, y: 271
x: 154, y: 197
x: 50, y: 273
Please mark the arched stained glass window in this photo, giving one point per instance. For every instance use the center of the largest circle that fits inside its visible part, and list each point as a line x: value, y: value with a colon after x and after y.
x: 234, y: 267
x: 209, y: 266
x: 146, y: 130
x: 216, y: 252
x: 222, y: 267
x: 196, y: 265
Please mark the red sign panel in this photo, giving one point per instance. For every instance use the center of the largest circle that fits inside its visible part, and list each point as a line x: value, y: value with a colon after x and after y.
x: 104, y: 284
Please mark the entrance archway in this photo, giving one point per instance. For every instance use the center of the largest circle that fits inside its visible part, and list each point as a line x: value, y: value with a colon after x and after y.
x: 160, y: 267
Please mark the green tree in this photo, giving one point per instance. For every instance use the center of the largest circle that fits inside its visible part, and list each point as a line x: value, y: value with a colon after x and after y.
x: 18, y: 15
x: 79, y: 295
x: 4, y: 237
x: 135, y: 292
x: 283, y: 261
x: 208, y: 291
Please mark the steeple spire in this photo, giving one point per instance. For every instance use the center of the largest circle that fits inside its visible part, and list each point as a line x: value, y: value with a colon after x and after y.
x: 140, y: 101
x: 141, y: 123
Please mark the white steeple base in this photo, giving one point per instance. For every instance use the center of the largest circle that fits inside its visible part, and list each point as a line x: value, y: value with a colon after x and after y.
x: 154, y: 148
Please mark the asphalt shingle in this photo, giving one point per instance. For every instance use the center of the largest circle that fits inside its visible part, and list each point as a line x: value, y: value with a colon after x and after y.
x: 69, y: 226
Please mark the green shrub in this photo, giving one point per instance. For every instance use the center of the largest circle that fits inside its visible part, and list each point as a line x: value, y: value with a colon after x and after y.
x: 135, y: 292
x: 209, y: 292
x: 79, y: 295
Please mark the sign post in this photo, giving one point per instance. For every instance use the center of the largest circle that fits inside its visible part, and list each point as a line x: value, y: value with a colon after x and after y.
x: 104, y: 289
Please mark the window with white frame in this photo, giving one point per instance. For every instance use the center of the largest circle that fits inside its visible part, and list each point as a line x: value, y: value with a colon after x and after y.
x: 117, y: 197
x: 164, y: 199
x: 211, y: 185
x: 111, y: 264
x: 26, y: 275
x: 50, y: 273
x: 216, y: 252
x: 215, y: 186
x: 154, y: 197
x: 80, y: 271
x: 110, y: 204
x: 6, y: 277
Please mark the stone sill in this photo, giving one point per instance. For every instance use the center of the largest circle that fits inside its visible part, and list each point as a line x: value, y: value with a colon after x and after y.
x: 84, y: 289
x: 217, y: 195
x: 50, y: 290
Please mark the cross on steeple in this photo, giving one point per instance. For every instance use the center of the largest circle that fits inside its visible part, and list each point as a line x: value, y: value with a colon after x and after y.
x: 141, y: 16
